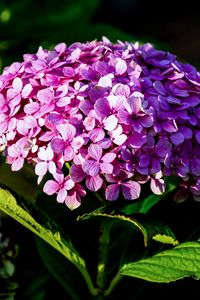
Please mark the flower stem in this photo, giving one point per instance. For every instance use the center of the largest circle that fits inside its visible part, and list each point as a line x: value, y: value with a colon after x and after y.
x: 113, y: 284
x: 87, y: 278
x: 100, y: 198
x: 104, y: 240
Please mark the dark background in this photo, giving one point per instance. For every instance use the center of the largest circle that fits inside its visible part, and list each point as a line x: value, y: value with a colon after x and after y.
x: 173, y: 24
x: 169, y: 25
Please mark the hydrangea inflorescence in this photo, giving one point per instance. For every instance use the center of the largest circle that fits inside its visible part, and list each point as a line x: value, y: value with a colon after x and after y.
x: 106, y: 116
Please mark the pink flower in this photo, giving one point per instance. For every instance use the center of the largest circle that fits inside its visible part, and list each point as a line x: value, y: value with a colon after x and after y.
x: 93, y: 183
x: 133, y: 113
x: 96, y: 162
x: 129, y: 188
x: 60, y: 186
x: 73, y: 199
x: 17, y: 154
x: 17, y: 92
x: 45, y: 162
x: 68, y: 143
x: 117, y: 136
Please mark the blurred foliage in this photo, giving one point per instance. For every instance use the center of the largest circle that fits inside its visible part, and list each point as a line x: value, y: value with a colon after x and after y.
x: 26, y: 24
x: 8, y: 252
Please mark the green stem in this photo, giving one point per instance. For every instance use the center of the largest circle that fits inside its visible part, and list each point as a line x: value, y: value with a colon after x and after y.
x: 67, y: 165
x: 113, y: 284
x: 100, y: 198
x: 87, y: 278
x: 104, y: 241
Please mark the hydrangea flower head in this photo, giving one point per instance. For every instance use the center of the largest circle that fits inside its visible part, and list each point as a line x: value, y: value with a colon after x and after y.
x: 101, y: 116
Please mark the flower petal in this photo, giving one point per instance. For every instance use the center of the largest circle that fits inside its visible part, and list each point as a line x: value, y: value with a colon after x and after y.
x: 95, y: 151
x: 170, y: 126
x: 110, y: 123
x: 27, y: 89
x: 177, y: 138
x: 131, y: 190
x: 112, y: 192
x: 109, y: 157
x: 17, y: 164
x: 96, y: 134
x: 73, y: 200
x: 120, y: 66
x: 94, y: 183
x: 42, y: 154
x: 57, y: 145
x: 50, y: 187
x: 67, y: 131
x: 137, y: 140
x: 77, y: 143
x: 62, y: 194
x: 102, y: 107
x: 197, y: 136
x: 106, y: 81
x: 76, y: 173
x: 45, y: 96
x: 52, y: 167
x: 120, y: 139
x: 17, y: 84
x: 69, y: 184
x: 195, y: 166
x: 106, y: 168
x: 69, y: 153
x: 41, y: 168
x: 90, y: 167
x: 157, y: 186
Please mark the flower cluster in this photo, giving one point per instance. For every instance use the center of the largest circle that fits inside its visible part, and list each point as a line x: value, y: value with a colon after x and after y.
x: 106, y: 116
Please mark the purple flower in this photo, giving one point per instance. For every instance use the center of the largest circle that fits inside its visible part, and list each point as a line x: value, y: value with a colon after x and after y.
x: 93, y: 183
x: 129, y: 188
x: 151, y: 159
x: 68, y: 143
x: 133, y: 114
x: 60, y: 186
x: 102, y: 116
x: 73, y: 199
x: 117, y: 136
x: 96, y: 163
x: 17, y: 92
x: 17, y: 154
x: 157, y: 184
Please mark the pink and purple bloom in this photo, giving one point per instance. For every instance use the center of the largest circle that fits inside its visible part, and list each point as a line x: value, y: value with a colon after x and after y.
x: 98, y: 115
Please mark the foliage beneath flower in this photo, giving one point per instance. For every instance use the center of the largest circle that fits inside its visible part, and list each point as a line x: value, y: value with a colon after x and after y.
x: 168, y: 265
x: 149, y: 230
x: 162, y: 238
x: 9, y: 205
x: 119, y: 243
x: 8, y: 253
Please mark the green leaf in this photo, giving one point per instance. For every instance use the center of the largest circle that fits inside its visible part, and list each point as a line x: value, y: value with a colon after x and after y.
x: 37, y: 286
x: 143, y: 206
x: 8, y: 204
x: 165, y: 239
x: 159, y: 231
x: 117, y: 218
x: 169, y: 265
x: 150, y: 229
x: 8, y: 269
x: 8, y: 290
x: 66, y: 275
